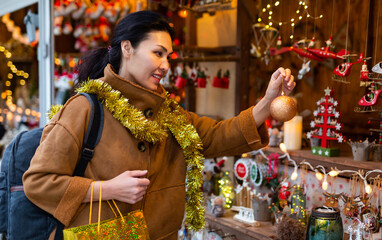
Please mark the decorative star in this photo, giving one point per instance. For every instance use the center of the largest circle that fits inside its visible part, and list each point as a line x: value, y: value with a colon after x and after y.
x: 315, y: 112
x: 327, y: 91
x: 340, y: 139
x: 319, y: 152
x: 326, y: 153
x: 312, y: 124
x: 338, y: 126
x: 309, y: 135
x: 337, y: 114
x: 335, y: 103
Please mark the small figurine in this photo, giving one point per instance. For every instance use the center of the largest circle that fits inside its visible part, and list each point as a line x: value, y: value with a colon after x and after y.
x: 274, y: 137
x: 218, y: 209
x: 364, y: 72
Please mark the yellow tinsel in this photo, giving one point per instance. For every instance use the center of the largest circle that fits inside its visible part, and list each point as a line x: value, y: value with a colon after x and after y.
x: 170, y: 117
x: 53, y: 110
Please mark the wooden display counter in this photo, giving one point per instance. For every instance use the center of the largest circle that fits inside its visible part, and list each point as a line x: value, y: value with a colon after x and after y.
x: 240, y: 230
x: 342, y: 162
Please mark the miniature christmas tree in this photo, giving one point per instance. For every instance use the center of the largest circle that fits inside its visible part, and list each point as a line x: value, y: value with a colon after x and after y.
x: 326, y: 124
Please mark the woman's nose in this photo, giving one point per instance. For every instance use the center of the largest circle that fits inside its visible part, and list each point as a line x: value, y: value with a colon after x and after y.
x: 164, y: 66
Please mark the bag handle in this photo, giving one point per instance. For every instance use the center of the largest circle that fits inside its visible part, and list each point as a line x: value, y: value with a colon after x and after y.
x: 99, y: 206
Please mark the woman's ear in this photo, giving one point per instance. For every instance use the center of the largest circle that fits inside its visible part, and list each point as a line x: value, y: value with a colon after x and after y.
x: 126, y: 48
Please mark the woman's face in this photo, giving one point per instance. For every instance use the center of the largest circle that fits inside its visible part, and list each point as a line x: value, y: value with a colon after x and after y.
x: 148, y: 62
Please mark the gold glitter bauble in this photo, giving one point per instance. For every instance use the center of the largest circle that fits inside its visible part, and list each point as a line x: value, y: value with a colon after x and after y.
x: 283, y: 108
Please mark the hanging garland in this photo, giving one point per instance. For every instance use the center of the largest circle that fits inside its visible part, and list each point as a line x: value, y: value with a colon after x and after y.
x: 170, y: 116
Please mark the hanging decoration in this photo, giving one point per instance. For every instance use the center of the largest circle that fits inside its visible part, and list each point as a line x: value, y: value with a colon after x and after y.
x: 90, y: 22
x: 201, y: 80
x: 342, y: 71
x: 181, y: 80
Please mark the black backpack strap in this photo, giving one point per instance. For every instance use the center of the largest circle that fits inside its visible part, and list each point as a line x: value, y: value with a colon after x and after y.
x: 92, y: 137
x: 93, y: 134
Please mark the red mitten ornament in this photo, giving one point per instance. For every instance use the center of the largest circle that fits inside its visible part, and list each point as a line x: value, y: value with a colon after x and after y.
x: 201, y: 80
x: 225, y: 80
x: 181, y: 80
x: 218, y: 81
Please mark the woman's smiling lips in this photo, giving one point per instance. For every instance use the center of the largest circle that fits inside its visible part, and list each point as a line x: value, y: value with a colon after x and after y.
x: 158, y: 77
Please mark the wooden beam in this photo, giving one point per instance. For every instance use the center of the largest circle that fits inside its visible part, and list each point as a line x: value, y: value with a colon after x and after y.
x: 217, y: 58
x: 8, y: 6
x: 243, y: 43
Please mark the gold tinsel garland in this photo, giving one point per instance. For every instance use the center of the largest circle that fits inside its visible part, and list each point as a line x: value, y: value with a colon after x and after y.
x: 156, y: 131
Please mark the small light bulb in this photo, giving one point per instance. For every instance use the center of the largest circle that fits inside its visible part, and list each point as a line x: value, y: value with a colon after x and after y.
x: 269, y: 5
x: 294, y: 176
x: 270, y: 12
x: 325, y: 185
x: 333, y: 173
x: 277, y: 3
x: 319, y: 176
x: 264, y: 9
x: 270, y: 24
x: 280, y: 23
x: 259, y: 19
x: 283, y: 147
x: 298, y: 11
x: 291, y: 37
x: 368, y: 189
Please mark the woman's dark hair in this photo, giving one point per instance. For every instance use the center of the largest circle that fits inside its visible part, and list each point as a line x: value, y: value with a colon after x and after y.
x: 135, y: 27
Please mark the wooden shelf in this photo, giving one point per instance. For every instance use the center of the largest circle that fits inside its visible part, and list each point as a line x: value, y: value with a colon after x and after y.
x: 342, y: 162
x: 242, y: 231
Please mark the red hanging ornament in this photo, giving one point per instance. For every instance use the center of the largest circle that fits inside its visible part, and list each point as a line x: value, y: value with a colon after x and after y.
x: 201, y: 80
x: 181, y: 80
x: 225, y: 80
x: 217, y: 82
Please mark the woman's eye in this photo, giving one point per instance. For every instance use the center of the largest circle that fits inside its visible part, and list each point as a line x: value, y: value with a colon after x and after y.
x: 159, y: 54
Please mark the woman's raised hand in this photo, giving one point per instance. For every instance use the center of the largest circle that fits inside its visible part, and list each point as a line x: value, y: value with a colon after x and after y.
x: 281, y: 80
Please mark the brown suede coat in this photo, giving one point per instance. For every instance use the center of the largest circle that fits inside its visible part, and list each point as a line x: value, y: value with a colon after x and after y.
x: 48, y: 182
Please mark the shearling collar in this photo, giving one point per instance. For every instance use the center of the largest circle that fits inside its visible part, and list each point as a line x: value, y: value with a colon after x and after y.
x: 140, y: 97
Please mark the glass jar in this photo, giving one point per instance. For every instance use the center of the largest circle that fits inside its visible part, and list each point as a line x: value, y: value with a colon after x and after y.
x: 325, y: 224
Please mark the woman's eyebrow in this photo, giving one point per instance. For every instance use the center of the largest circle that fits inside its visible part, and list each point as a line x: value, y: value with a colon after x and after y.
x: 165, y: 49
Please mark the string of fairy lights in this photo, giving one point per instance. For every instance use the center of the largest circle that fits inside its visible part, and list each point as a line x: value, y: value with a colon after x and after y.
x: 14, y: 111
x: 267, y: 13
x: 320, y: 172
x: 14, y: 29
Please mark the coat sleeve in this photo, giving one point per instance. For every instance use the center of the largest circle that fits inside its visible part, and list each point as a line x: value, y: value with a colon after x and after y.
x: 48, y: 182
x: 232, y: 136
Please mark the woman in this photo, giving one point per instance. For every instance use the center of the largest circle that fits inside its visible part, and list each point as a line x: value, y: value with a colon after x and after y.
x: 143, y: 162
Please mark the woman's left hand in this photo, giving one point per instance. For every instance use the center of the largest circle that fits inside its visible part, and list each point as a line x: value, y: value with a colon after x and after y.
x: 280, y: 77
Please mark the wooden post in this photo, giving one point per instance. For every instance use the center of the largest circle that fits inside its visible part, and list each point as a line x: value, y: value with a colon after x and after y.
x: 243, y: 43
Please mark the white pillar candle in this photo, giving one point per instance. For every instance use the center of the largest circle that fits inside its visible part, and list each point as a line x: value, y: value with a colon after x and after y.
x: 293, y: 133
